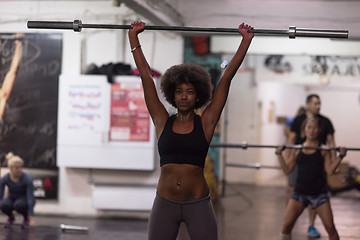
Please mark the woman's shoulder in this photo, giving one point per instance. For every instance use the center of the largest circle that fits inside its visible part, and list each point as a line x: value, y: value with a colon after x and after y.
x: 295, y: 149
x: 299, y: 119
x: 323, y: 149
x: 171, y: 118
x: 6, y: 177
x: 27, y: 176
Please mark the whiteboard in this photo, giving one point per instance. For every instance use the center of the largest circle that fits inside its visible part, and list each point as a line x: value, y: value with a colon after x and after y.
x: 84, y: 123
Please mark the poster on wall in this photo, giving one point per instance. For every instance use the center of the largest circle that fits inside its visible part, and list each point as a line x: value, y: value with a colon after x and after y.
x: 30, y: 65
x: 82, y: 110
x: 103, y: 125
x: 45, y: 187
x: 129, y: 120
x: 84, y: 106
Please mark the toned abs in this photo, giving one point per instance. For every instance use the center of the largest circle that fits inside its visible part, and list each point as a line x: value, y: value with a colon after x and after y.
x: 182, y: 182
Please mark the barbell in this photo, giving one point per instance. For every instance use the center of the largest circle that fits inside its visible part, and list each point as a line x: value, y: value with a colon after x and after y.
x: 292, y: 32
x: 65, y: 228
x: 251, y: 165
x: 244, y: 145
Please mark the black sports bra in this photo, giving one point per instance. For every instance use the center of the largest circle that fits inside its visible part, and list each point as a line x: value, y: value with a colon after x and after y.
x: 190, y: 148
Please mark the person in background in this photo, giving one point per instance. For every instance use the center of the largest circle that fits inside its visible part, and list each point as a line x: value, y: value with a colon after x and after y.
x: 20, y: 192
x: 326, y: 136
x: 184, y: 138
x: 290, y: 120
x: 293, y: 174
x: 311, y: 186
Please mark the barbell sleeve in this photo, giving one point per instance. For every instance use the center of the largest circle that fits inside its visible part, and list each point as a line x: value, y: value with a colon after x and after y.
x: 51, y: 25
x: 251, y: 165
x: 65, y: 227
x: 293, y: 32
x: 303, y: 32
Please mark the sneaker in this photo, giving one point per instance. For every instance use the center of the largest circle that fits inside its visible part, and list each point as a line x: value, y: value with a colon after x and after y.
x: 25, y: 224
x: 9, y: 222
x: 312, y: 232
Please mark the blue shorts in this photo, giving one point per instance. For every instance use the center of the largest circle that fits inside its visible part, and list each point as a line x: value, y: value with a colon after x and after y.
x: 315, y: 200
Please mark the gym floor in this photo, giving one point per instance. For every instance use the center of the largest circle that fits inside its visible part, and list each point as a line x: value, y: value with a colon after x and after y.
x: 245, y: 212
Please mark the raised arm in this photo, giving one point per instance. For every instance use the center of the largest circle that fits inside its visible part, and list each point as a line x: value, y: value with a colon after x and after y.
x: 287, y: 165
x: 156, y: 109
x: 212, y: 113
x: 10, y: 76
x: 291, y: 141
x: 332, y: 164
x: 330, y: 140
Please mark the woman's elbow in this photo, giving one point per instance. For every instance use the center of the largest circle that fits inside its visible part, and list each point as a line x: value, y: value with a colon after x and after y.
x: 286, y: 171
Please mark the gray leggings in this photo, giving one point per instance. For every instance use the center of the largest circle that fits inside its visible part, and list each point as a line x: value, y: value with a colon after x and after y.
x: 166, y: 216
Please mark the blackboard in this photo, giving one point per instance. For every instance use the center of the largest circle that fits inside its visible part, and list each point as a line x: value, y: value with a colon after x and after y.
x: 29, y: 125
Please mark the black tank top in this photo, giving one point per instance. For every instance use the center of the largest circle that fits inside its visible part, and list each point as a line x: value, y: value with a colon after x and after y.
x: 190, y: 148
x: 311, y: 179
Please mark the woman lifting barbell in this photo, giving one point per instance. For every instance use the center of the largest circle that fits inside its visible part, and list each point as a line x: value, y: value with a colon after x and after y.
x: 311, y: 185
x: 183, y: 139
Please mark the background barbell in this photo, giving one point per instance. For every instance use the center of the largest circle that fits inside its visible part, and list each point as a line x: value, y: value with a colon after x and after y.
x: 245, y: 145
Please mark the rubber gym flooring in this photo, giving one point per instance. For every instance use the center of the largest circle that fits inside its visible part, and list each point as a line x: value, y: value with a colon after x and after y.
x: 245, y: 212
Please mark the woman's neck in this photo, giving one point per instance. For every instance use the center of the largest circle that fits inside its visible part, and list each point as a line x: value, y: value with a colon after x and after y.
x: 185, y: 116
x: 311, y: 142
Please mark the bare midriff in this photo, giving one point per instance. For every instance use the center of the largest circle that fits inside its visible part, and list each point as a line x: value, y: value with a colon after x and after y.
x: 182, y: 182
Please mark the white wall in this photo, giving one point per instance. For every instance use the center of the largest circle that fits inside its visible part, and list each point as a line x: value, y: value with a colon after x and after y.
x: 239, y: 123
x: 277, y: 100
x: 79, y: 50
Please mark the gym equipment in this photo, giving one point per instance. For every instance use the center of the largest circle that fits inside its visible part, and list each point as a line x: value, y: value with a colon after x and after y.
x: 65, y: 228
x: 292, y: 32
x: 244, y: 145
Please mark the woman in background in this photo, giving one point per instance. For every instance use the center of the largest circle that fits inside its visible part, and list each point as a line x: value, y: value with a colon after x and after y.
x: 20, y: 191
x: 311, y: 184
